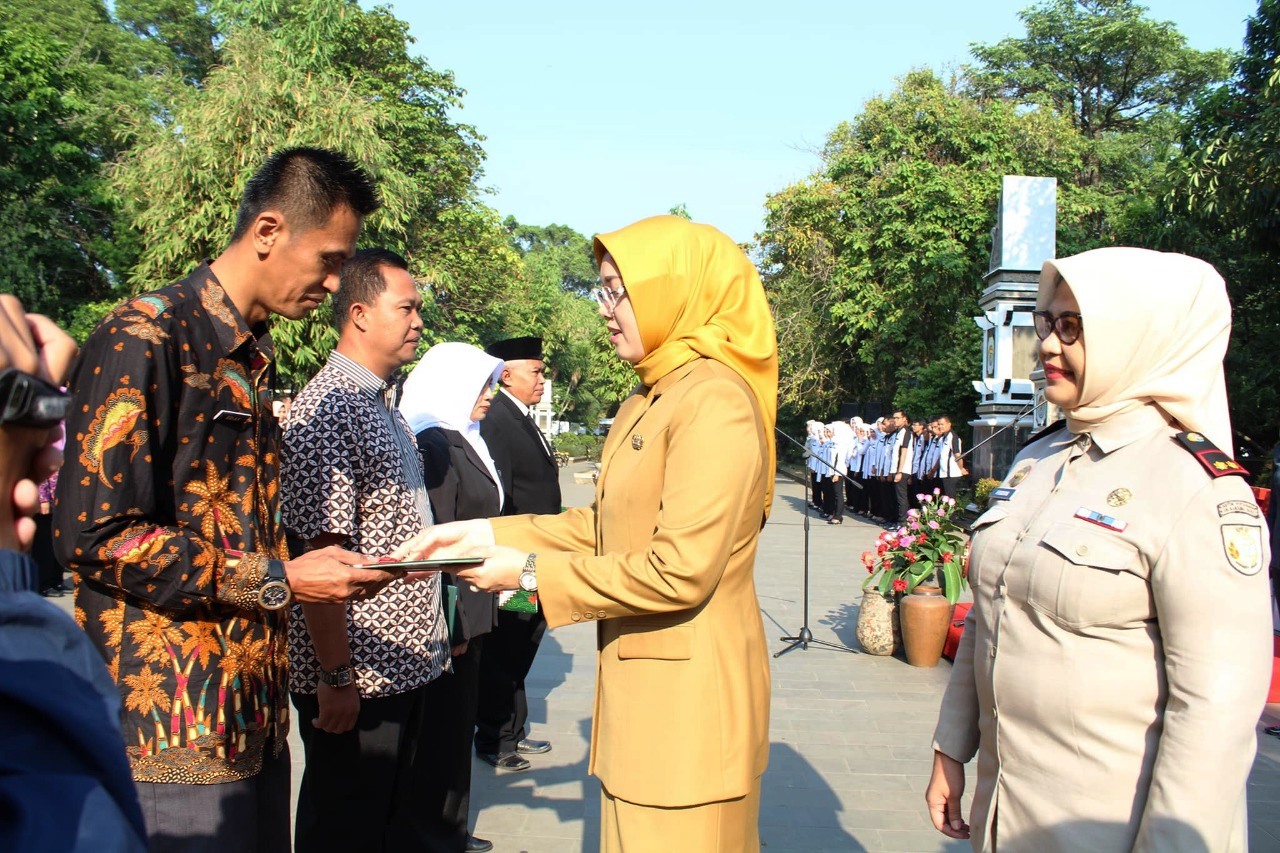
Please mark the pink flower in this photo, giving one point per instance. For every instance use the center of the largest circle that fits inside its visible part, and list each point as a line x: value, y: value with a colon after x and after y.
x: 937, y: 491
x: 915, y: 525
x: 902, y: 531
x: 933, y: 525
x: 921, y: 497
x: 899, y: 585
x: 906, y: 541
x: 941, y: 511
x: 913, y: 513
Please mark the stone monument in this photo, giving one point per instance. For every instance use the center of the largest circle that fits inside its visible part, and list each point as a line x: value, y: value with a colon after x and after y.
x: 1023, y: 239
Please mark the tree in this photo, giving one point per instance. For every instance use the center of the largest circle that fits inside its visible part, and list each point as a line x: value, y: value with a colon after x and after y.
x: 332, y: 75
x: 1222, y: 206
x: 66, y: 74
x: 874, y: 264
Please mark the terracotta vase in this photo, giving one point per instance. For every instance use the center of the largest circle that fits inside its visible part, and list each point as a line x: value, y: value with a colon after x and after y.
x: 925, y: 616
x: 878, y: 631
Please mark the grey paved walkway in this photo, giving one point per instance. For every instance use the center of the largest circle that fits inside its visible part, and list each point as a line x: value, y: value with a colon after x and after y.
x: 850, y: 732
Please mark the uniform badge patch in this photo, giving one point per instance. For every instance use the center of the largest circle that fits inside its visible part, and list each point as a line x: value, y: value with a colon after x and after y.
x: 1119, y: 497
x: 1242, y: 507
x: 1021, y: 474
x: 1243, y: 545
x: 637, y: 441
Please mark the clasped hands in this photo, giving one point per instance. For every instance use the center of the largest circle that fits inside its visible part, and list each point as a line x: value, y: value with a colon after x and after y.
x: 499, y: 571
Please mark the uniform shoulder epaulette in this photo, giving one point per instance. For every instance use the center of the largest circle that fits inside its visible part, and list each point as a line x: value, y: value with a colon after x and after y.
x: 1217, y: 463
x: 1049, y: 430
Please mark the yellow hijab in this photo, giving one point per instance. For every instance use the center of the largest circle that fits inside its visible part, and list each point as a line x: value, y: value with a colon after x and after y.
x: 1156, y: 326
x: 695, y: 294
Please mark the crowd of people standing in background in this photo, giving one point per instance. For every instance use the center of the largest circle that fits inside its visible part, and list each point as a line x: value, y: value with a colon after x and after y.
x: 875, y: 469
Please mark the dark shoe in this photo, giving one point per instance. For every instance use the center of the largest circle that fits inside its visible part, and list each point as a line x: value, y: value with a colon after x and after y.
x: 508, y: 761
x: 1274, y: 731
x: 533, y: 747
x: 477, y: 845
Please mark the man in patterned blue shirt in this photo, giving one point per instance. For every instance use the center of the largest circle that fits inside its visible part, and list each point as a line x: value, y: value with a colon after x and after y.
x: 352, y: 476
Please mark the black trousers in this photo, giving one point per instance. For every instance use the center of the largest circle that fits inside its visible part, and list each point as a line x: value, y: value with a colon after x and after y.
x: 834, y: 504
x: 503, y: 714
x: 362, y: 789
x: 901, y: 498
x: 949, y: 486
x: 249, y: 816
x: 855, y: 498
x: 449, y: 722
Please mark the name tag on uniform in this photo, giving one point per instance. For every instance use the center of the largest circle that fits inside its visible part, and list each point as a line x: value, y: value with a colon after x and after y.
x: 1108, y: 521
x: 1002, y: 494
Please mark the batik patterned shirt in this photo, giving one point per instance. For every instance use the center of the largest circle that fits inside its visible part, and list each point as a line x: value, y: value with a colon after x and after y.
x: 172, y: 463
x: 352, y: 468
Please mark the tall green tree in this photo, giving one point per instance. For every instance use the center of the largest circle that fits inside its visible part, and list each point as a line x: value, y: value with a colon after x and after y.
x: 67, y: 76
x: 331, y: 74
x: 874, y: 264
x: 1222, y: 206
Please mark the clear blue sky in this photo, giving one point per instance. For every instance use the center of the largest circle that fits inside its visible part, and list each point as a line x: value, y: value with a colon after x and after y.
x: 598, y: 114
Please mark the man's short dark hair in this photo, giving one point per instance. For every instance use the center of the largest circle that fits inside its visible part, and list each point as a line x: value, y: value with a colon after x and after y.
x: 902, y: 412
x: 361, y: 281
x: 306, y: 185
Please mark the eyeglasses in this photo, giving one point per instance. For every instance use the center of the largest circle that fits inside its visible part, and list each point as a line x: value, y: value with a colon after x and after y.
x: 609, y: 298
x: 1068, y: 325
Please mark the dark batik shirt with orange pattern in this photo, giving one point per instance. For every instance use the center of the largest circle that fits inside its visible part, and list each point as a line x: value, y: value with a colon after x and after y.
x: 159, y: 484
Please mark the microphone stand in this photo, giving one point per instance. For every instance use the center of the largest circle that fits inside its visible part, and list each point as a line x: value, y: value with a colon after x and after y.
x: 804, y: 637
x: 1026, y: 410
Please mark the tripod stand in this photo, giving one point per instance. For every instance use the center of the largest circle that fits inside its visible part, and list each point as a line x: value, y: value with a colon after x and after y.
x: 804, y: 637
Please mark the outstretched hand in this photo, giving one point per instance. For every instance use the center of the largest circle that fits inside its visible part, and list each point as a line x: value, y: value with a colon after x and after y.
x: 441, y: 541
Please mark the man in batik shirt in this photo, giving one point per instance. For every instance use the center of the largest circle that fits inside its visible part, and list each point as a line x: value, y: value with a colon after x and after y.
x: 168, y: 511
x: 359, y: 672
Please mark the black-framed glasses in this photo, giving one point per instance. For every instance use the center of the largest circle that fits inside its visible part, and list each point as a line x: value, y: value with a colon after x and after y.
x: 1068, y: 325
x: 609, y: 298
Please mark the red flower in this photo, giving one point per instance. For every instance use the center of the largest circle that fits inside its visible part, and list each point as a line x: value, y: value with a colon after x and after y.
x: 911, y: 556
x: 947, y: 556
x: 868, y: 559
x: 899, y: 585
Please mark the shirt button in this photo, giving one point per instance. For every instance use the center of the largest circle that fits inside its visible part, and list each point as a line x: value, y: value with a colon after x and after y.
x: 1082, y: 550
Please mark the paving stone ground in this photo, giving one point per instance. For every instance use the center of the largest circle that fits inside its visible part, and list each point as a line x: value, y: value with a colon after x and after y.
x: 849, y: 732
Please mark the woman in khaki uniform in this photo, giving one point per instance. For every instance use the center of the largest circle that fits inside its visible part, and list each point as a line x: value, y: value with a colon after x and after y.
x: 1117, y: 656
x: 664, y: 560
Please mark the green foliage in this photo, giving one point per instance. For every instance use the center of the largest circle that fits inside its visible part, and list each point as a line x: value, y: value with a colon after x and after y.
x: 1223, y: 196
x: 332, y: 75
x: 874, y: 264
x: 587, y: 446
x: 1103, y: 63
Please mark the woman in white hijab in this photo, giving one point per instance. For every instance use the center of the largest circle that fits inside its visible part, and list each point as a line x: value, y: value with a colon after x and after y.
x: 445, y: 397
x: 1117, y: 656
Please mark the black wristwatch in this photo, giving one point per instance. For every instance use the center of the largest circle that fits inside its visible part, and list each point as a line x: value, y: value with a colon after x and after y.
x: 29, y: 401
x: 274, y: 594
x: 339, y: 676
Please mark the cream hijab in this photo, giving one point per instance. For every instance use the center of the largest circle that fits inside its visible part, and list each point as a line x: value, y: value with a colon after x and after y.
x: 1156, y: 326
x: 695, y: 294
x: 442, y: 389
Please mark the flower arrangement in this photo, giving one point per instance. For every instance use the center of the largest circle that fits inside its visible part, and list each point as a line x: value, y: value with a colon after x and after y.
x: 930, y: 544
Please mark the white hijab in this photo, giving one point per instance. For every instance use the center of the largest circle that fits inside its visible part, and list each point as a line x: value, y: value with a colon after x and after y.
x: 1156, y: 326
x: 442, y: 390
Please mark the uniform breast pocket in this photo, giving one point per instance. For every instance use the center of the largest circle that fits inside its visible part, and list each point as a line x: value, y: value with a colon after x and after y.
x: 1084, y: 577
x: 983, y: 532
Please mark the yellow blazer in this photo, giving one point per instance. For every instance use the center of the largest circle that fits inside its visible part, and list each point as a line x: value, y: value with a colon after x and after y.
x: 664, y: 562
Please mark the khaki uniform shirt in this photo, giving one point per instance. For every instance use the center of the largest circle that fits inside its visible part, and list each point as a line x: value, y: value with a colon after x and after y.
x: 1111, y: 672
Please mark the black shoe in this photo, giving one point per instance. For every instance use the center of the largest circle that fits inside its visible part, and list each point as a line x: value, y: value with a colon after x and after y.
x: 508, y: 761
x: 533, y: 747
x: 1274, y: 731
x: 477, y: 845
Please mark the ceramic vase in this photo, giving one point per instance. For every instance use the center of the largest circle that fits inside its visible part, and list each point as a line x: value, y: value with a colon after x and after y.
x: 925, y: 615
x: 878, y: 631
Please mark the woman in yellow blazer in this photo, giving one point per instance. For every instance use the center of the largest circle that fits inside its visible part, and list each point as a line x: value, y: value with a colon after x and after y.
x: 664, y: 559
